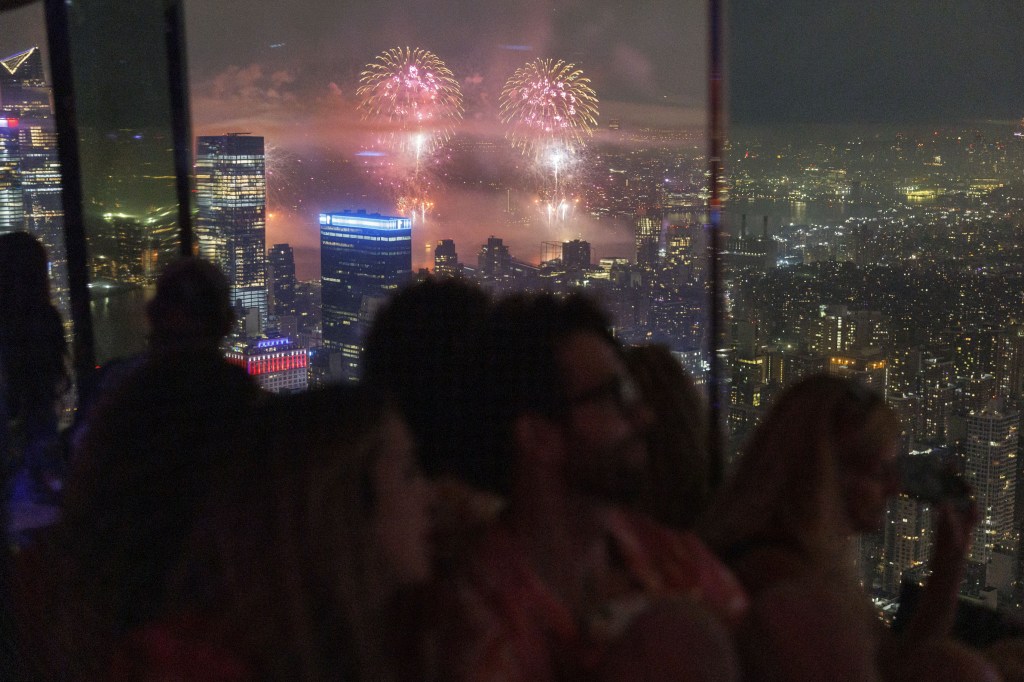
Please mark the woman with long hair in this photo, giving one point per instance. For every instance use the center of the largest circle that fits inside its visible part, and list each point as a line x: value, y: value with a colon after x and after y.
x: 817, y: 473
x: 33, y: 375
x: 679, y: 484
x: 296, y: 570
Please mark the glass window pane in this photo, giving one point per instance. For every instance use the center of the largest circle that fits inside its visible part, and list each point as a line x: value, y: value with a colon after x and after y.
x: 123, y: 115
x: 603, y: 190
x: 30, y: 191
x: 874, y: 232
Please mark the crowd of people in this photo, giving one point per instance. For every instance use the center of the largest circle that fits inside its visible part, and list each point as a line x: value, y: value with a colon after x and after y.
x: 507, y: 494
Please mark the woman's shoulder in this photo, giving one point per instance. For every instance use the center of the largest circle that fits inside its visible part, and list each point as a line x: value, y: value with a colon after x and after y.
x: 177, y: 648
x: 763, y: 562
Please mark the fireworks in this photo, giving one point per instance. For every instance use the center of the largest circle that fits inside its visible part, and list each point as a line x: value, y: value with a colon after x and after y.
x: 548, y: 105
x: 282, y: 169
x: 411, y: 90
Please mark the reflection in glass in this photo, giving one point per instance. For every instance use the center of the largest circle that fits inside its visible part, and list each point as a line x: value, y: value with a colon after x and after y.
x: 126, y: 145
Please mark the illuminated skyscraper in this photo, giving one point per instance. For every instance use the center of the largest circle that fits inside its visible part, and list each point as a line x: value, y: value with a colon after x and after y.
x: 446, y: 260
x: 12, y: 213
x: 648, y: 239
x: 363, y: 258
x: 25, y: 99
x: 281, y: 261
x: 494, y: 260
x: 990, y: 468
x: 231, y: 197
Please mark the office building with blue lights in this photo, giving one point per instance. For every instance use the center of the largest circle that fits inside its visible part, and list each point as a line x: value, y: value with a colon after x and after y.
x: 363, y: 258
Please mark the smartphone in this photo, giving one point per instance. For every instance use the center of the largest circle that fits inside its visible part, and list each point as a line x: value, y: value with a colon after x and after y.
x: 930, y: 477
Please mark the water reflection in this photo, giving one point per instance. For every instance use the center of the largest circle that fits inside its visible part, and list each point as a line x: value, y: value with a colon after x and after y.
x: 119, y: 319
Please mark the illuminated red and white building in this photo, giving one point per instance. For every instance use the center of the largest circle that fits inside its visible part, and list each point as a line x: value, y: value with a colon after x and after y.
x: 279, y: 365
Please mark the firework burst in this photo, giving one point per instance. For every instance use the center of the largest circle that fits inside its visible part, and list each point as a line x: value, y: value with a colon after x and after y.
x: 548, y: 104
x: 414, y: 93
x: 282, y: 170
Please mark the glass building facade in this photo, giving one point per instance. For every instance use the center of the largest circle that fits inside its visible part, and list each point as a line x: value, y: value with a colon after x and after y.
x: 231, y: 195
x: 363, y: 258
x: 30, y: 178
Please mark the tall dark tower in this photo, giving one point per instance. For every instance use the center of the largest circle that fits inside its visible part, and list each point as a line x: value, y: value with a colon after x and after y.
x: 281, y: 263
x: 231, y: 197
x: 494, y: 260
x: 363, y: 258
x: 446, y: 260
x: 576, y: 255
x: 25, y: 103
x: 648, y: 238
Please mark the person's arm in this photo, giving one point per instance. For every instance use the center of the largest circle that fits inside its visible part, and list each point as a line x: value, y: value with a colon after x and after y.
x: 674, y: 640
x: 806, y: 630
x: 933, y: 617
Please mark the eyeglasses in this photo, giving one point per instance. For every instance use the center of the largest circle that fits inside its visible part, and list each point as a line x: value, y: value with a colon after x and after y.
x: 620, y: 391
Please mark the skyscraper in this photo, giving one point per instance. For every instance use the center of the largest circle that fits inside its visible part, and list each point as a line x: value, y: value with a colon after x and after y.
x: 648, y: 239
x: 231, y: 197
x: 576, y: 255
x: 494, y: 260
x: 363, y: 258
x: 990, y: 468
x: 25, y: 102
x: 12, y: 213
x: 281, y: 261
x: 446, y: 260
x: 908, y: 540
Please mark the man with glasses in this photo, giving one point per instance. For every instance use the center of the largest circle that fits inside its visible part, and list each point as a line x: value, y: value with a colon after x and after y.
x: 569, y: 583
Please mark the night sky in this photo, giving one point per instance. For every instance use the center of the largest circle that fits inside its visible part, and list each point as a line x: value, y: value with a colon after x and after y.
x: 288, y: 70
x: 790, y: 60
x: 898, y: 61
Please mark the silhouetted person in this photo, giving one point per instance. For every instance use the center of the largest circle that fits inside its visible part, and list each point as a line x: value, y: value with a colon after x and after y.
x: 33, y: 353
x: 819, y: 471
x: 293, y: 572
x: 190, y: 313
x: 145, y: 469
x: 191, y: 309
x: 678, y: 487
x: 569, y: 582
x: 422, y: 350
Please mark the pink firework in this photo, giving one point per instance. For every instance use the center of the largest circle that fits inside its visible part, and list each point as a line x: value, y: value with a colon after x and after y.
x: 413, y: 91
x: 548, y: 104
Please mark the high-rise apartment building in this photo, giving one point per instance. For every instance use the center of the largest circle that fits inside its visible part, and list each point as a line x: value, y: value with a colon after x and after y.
x: 576, y: 255
x: 363, y: 258
x: 446, y: 260
x: 990, y: 468
x: 908, y: 540
x: 231, y: 197
x: 868, y: 366
x: 494, y: 260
